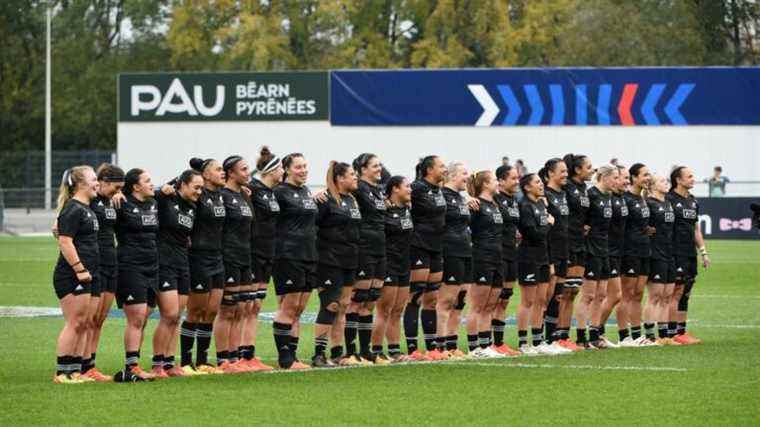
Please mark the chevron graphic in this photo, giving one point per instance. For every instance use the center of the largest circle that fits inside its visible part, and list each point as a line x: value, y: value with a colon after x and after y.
x: 672, y: 108
x: 514, y: 107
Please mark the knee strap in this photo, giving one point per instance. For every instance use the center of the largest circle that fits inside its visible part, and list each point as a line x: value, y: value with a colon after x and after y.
x: 506, y: 293
x: 460, y: 300
x: 360, y: 295
x: 683, y: 302
x: 374, y: 294
x: 325, y: 316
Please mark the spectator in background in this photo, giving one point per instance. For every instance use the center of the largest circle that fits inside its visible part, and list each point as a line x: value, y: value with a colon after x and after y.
x: 505, y: 161
x: 521, y: 169
x: 614, y: 161
x: 717, y: 183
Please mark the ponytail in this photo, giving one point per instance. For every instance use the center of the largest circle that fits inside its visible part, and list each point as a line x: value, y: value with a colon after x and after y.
x: 573, y: 162
x: 525, y: 181
x: 131, y: 179
x: 69, y: 181
x: 286, y: 162
x: 502, y: 172
x: 476, y: 182
x: 335, y: 170
x: 635, y: 170
x: 393, y: 183
x: 674, y: 175
x: 424, y: 164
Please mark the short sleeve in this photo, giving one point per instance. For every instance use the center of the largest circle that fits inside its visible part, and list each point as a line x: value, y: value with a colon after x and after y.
x: 69, y: 220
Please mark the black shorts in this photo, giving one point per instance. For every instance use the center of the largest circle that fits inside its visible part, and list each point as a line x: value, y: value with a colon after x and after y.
x: 261, y: 268
x: 171, y: 278
x: 597, y: 268
x: 634, y: 266
x: 487, y: 274
x: 531, y: 274
x: 399, y: 280
x: 457, y: 270
x: 107, y: 278
x: 422, y: 259
x: 615, y: 266
x: 686, y: 269
x: 293, y: 276
x: 509, y: 270
x: 577, y: 259
x: 204, y: 266
x: 236, y: 275
x: 370, y: 267
x: 329, y: 276
x: 560, y: 267
x: 662, y: 271
x: 134, y: 284
x: 65, y: 284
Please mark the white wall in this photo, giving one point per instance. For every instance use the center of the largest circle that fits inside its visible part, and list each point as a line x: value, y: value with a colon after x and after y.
x: 164, y: 148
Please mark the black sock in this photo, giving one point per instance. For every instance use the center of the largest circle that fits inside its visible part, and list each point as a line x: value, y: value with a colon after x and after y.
x: 377, y: 349
x: 186, y: 341
x: 580, y: 335
x: 394, y: 349
x: 428, y: 318
x: 484, y: 339
x: 522, y: 337
x: 158, y: 361
x: 221, y: 357
x: 92, y: 360
x: 320, y: 345
x: 349, y: 333
x: 649, y: 330
x: 293, y: 345
x: 636, y: 332
x: 593, y: 333
x: 564, y: 334
x: 440, y: 343
x: 681, y: 328
x: 622, y: 334
x: 538, y: 335
x: 497, y: 326
x: 131, y: 358
x: 672, y: 329
x: 281, y: 333
x: 365, y: 333
x: 168, y: 362
x: 62, y: 365
x: 411, y: 325
x: 451, y: 342
x: 233, y: 355
x: 472, y: 341
x: 662, y: 329
x: 203, y: 333
x: 253, y: 351
x: 86, y: 365
x: 336, y: 352
x: 246, y: 352
x: 76, y: 364
x: 551, y: 317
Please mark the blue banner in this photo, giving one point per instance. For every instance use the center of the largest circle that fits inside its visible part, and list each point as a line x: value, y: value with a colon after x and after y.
x: 546, y: 97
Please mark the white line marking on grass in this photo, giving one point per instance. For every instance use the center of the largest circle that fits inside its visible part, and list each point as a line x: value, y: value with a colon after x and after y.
x: 20, y: 311
x: 728, y: 296
x: 725, y: 326
x: 588, y: 367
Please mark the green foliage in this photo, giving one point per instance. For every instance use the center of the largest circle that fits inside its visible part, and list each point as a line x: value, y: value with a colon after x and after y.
x: 94, y: 40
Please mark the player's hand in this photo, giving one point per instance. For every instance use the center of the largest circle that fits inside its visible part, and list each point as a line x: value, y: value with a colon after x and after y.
x: 320, y: 196
x: 167, y: 190
x: 246, y: 190
x: 706, y: 262
x: 586, y: 229
x: 550, y: 219
x: 117, y: 199
x: 84, y: 277
x: 474, y: 204
x: 650, y: 231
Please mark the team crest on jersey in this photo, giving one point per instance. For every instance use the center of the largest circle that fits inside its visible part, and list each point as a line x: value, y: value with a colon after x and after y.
x: 406, y: 222
x: 309, y: 204
x: 151, y: 219
x: 624, y: 210
x: 185, y: 220
x: 439, y: 200
x: 355, y: 213
x: 497, y: 218
x: 219, y: 211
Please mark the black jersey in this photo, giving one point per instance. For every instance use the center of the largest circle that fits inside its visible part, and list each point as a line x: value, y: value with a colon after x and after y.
x: 510, y: 213
x: 339, y: 232
x: 175, y: 225
x: 265, y: 211
x: 106, y: 214
x: 78, y: 221
x: 636, y: 242
x: 487, y: 225
x: 296, y: 231
x: 429, y: 216
x: 398, y: 231
x: 662, y: 219
x: 534, y: 228
x: 236, y: 234
x: 372, y: 205
x: 209, y: 222
x: 618, y: 225
x: 578, y: 202
x: 559, y: 209
x: 598, y: 217
x: 686, y: 210
x: 136, y: 230
x: 456, y: 237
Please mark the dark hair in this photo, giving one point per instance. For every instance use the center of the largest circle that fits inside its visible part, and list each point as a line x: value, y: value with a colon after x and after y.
x: 230, y: 162
x: 287, y: 161
x: 424, y: 165
x: 573, y: 162
x: 362, y: 161
x: 335, y: 170
x: 525, y: 180
x: 131, y: 179
x: 265, y: 156
x: 549, y: 166
x: 110, y: 173
x: 674, y: 175
x: 199, y: 164
x: 393, y: 182
x: 635, y: 170
x: 718, y: 168
x: 186, y: 177
x: 502, y: 172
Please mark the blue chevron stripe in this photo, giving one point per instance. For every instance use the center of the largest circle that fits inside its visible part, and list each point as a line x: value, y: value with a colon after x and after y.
x: 558, y: 105
x: 672, y: 108
x: 581, y: 105
x: 650, y: 102
x: 537, y: 108
x: 514, y: 107
x: 603, y: 104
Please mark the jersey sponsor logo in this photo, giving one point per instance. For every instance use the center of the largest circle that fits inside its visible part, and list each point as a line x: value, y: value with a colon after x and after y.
x: 670, y: 217
x: 274, y: 206
x: 607, y: 212
x: 644, y: 211
x: 689, y: 213
x: 95, y: 224
x: 151, y: 219
x: 110, y: 213
x: 438, y: 197
x: 245, y: 211
x: 309, y: 204
x: 406, y: 223
x: 219, y: 211
x: 165, y: 285
x: 464, y: 210
x: 355, y: 213
x: 624, y: 210
x: 514, y: 212
x: 584, y: 200
x: 185, y: 220
x: 497, y: 218
x: 379, y: 204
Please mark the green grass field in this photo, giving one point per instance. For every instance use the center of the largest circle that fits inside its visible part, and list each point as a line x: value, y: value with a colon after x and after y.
x: 717, y: 382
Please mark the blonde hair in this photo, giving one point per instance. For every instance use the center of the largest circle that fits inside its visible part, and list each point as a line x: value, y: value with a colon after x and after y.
x: 477, y: 181
x: 452, y: 169
x: 69, y: 183
x: 604, y: 171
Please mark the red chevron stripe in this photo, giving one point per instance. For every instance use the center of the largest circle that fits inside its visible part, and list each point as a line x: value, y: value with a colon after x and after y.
x: 624, y: 107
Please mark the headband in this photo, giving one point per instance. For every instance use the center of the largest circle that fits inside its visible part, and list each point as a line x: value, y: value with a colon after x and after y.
x: 272, y: 165
x: 230, y: 162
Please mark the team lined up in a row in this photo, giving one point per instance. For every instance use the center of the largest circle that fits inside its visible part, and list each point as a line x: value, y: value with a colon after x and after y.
x: 375, y: 250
